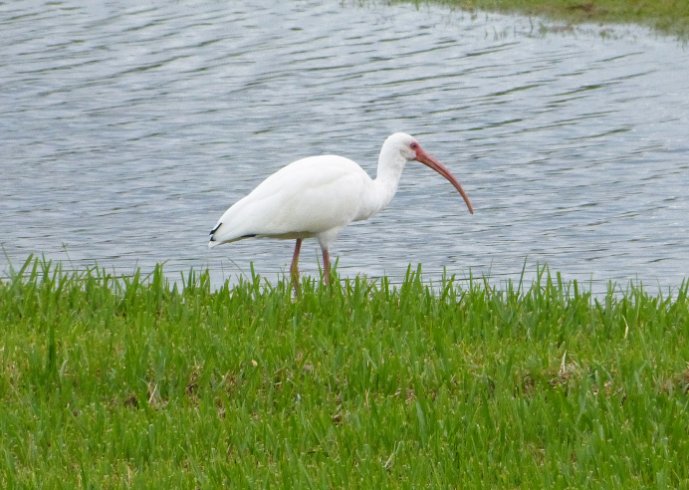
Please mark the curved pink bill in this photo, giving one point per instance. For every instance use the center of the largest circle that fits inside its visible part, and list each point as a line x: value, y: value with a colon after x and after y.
x: 431, y: 162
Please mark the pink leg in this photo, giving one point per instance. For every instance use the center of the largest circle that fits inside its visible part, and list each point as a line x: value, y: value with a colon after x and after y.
x: 294, y: 268
x: 326, y: 266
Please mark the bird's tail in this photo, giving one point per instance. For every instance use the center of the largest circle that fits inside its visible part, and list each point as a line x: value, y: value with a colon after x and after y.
x: 220, y: 235
x: 212, y: 242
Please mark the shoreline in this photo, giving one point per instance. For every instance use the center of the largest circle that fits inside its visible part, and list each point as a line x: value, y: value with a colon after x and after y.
x: 668, y: 19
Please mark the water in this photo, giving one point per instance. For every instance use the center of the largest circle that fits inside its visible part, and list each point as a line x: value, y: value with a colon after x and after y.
x: 127, y: 130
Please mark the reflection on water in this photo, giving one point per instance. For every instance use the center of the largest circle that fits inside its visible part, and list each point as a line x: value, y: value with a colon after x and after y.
x: 126, y: 132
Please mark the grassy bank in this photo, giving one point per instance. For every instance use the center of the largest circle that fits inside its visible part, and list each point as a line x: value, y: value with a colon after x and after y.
x: 109, y: 383
x: 669, y: 16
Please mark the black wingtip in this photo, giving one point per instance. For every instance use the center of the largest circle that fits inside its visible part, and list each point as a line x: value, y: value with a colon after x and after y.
x: 214, y: 230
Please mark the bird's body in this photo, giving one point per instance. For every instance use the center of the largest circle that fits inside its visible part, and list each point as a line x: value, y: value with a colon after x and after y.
x: 317, y: 196
x: 339, y: 186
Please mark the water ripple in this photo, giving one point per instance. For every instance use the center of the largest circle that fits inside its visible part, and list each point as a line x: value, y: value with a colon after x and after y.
x: 127, y: 131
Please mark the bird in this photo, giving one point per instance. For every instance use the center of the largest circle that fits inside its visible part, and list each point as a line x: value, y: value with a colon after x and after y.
x: 317, y: 196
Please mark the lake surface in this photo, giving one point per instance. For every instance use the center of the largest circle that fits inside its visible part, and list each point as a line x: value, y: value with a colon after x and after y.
x: 127, y: 129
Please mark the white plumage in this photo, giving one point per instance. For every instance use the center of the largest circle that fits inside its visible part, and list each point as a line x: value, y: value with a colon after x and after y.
x: 317, y: 196
x: 307, y: 197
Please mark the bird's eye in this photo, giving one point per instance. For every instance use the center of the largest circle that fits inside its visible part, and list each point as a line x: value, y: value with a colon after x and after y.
x: 414, y: 145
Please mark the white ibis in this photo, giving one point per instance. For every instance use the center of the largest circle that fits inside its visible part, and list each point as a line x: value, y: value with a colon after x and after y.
x: 318, y: 196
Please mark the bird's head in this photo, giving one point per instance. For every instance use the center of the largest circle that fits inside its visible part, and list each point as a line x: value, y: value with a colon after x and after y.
x: 410, y: 149
x: 404, y: 144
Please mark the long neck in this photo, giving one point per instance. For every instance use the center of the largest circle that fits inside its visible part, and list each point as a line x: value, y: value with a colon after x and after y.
x: 390, y: 166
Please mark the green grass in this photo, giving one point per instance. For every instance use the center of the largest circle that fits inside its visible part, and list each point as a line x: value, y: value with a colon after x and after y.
x: 669, y: 16
x: 133, y: 382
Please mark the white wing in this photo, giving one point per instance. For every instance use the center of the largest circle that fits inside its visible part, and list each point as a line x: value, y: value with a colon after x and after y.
x: 305, y: 198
